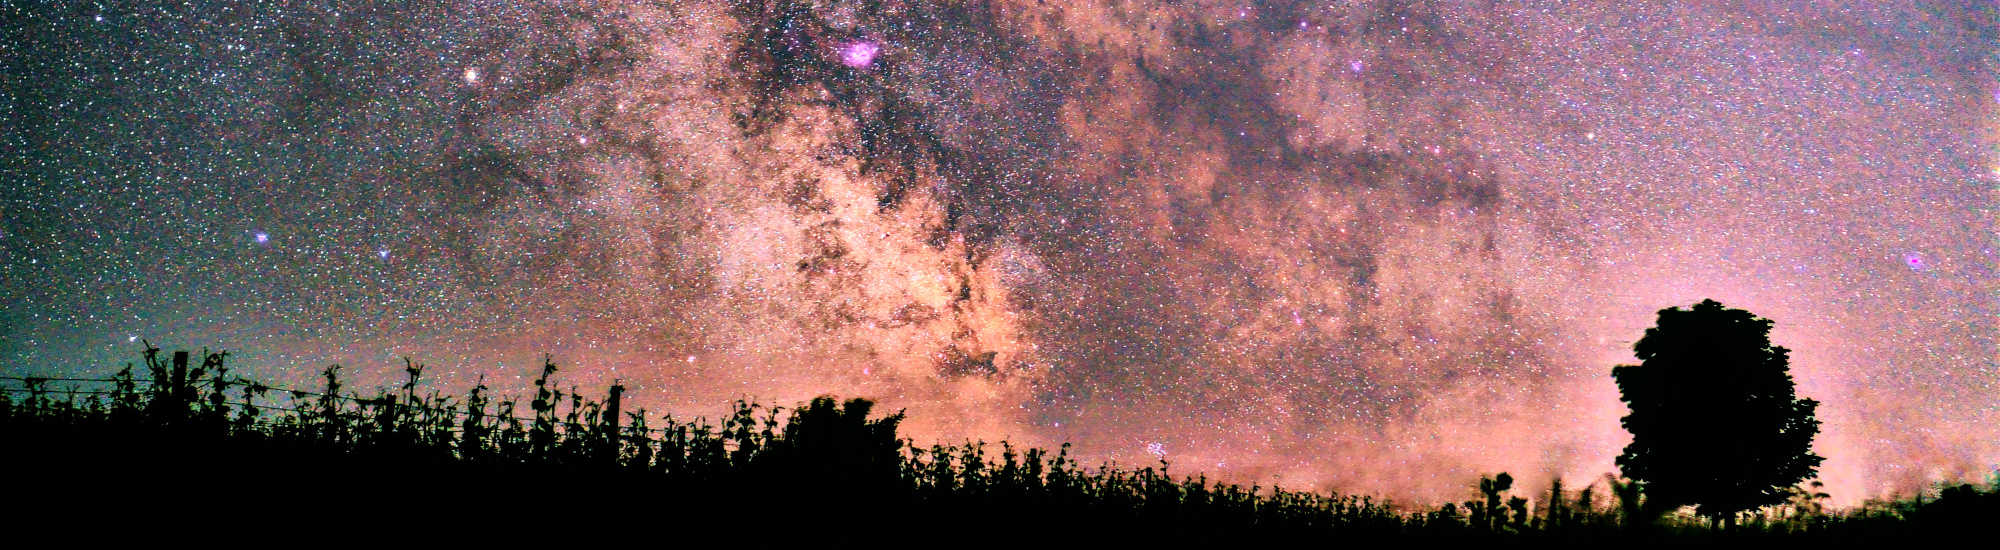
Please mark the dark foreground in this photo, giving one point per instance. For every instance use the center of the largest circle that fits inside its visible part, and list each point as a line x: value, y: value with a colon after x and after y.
x: 187, y: 447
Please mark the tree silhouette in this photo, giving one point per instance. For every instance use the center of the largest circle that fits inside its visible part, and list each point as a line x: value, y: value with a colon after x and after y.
x: 1714, y: 420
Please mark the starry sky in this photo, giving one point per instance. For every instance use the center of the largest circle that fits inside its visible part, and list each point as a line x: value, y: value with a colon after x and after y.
x: 1379, y: 247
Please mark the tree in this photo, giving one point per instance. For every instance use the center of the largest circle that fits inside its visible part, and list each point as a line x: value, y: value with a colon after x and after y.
x: 1714, y: 419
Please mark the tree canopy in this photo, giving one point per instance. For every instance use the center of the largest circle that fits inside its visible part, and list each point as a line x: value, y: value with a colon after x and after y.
x: 1714, y: 419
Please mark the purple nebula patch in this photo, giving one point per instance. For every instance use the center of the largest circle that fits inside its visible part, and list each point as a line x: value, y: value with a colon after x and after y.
x: 858, y: 54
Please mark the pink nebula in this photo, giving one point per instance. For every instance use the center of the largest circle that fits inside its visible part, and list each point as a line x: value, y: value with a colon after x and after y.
x: 859, y: 54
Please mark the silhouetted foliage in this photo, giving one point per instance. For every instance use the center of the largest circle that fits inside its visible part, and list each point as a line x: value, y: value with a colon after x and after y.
x: 1714, y: 420
x: 193, y: 445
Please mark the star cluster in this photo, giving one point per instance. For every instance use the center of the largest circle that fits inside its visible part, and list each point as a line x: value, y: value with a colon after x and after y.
x: 1379, y: 246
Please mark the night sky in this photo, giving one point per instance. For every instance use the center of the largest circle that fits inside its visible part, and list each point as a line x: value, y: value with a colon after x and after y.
x: 1370, y: 246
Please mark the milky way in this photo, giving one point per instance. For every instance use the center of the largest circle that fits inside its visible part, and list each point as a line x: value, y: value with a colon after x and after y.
x: 1379, y: 247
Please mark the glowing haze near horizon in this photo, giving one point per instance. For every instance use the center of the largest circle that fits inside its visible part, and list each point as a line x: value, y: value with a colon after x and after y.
x: 1379, y: 247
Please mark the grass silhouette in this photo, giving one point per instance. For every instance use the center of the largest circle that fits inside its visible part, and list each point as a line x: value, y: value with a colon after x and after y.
x: 191, y: 441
